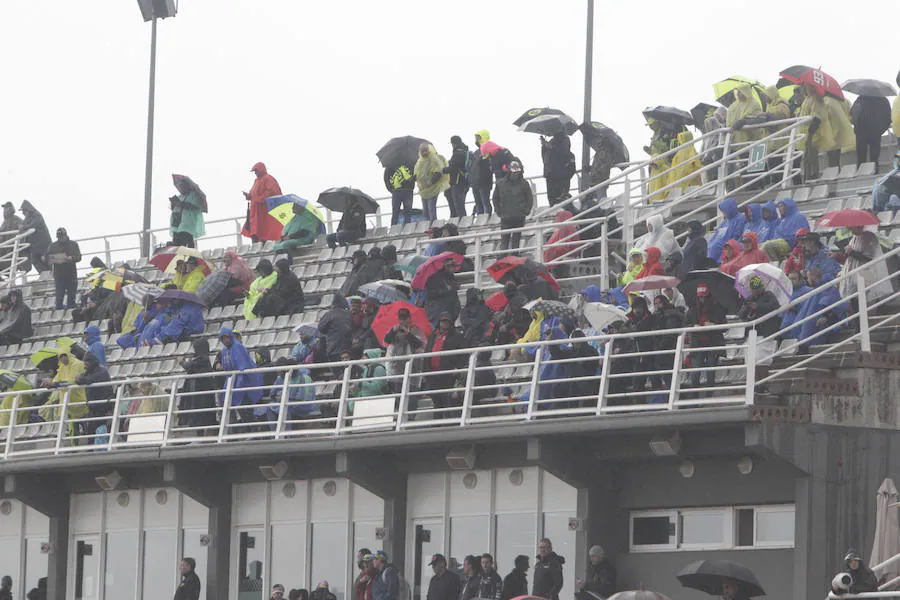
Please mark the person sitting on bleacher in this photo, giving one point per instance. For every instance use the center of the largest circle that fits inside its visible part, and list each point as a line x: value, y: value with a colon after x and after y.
x: 389, y: 254
x: 94, y: 297
x: 266, y: 279
x: 762, y: 302
x: 351, y: 227
x: 15, y: 319
x: 144, y: 318
x: 442, y: 293
x: 731, y: 228
x: 99, y: 398
x: 197, y: 392
x: 771, y: 219
x: 70, y: 368
x: 790, y: 315
x: 152, y: 331
x: 886, y: 191
x: 189, y: 275
x: 694, y: 253
x: 336, y: 326
x: 755, y: 221
x: 814, y: 255
x: 783, y: 240
x: 297, y: 232
x: 186, y: 321
x: 235, y: 357
x: 865, y: 247
x: 749, y: 254
x: 241, y: 274
x: 358, y: 275
x: 8, y: 228
x: 91, y: 338
x: 825, y: 298
x: 285, y: 297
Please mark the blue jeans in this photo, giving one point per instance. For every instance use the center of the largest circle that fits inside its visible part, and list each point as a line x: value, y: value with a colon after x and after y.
x: 341, y: 237
x: 429, y: 208
x: 401, y: 200
x: 482, y: 195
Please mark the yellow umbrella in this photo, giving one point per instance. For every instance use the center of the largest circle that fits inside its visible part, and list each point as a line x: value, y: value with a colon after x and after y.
x: 13, y: 382
x: 723, y: 89
x: 44, y: 353
x: 282, y: 209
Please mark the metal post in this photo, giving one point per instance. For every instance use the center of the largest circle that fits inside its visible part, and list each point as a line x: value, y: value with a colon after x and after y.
x: 535, y: 383
x: 588, y: 89
x: 604, y: 376
x: 469, y: 393
x: 627, y: 216
x: 63, y: 409
x: 750, y: 359
x: 723, y: 166
x: 402, y: 413
x: 865, y: 340
x: 676, y: 371
x: 344, y: 398
x: 283, y: 404
x: 478, y: 260
x: 789, y: 158
x: 116, y: 420
x: 226, y: 408
x: 604, y: 256
x: 170, y: 414
x: 148, y: 173
x: 10, y: 431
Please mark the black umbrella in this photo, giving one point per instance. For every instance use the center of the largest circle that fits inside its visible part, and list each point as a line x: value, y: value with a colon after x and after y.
x: 708, y: 575
x: 186, y: 185
x: 721, y: 287
x: 550, y: 125
x: 531, y: 113
x: 210, y: 288
x: 400, y: 151
x: 869, y: 87
x: 339, y: 198
x: 597, y: 134
x: 701, y: 112
x: 669, y: 114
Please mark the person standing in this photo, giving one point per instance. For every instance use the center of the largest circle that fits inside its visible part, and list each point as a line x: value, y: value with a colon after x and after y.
x: 471, y: 582
x: 189, y: 588
x: 430, y: 178
x: 515, y: 583
x: 548, y: 574
x: 440, y: 368
x: 480, y: 177
x: 444, y: 584
x: 458, y: 171
x: 559, y: 166
x: 187, y: 208
x: 871, y: 117
x: 491, y: 586
x: 260, y: 224
x: 513, y: 201
x: 63, y: 255
x: 401, y: 183
x: 363, y: 583
x: 39, y: 240
x: 601, y: 579
x: 387, y: 582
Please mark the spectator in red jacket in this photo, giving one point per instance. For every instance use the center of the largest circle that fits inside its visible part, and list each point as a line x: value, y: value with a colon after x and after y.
x: 653, y: 265
x: 750, y: 255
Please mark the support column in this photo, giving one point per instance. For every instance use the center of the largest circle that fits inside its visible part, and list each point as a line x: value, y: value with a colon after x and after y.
x: 58, y: 559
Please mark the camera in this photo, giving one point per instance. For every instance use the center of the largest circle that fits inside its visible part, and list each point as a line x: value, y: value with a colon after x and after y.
x: 842, y: 582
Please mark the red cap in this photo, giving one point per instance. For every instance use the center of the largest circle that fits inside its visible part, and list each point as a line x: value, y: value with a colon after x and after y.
x: 702, y: 290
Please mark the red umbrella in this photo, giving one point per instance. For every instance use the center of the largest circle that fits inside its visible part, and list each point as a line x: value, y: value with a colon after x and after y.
x: 651, y: 282
x: 506, y: 265
x: 821, y: 81
x: 432, y: 266
x: 497, y: 301
x: 848, y: 218
x: 166, y: 259
x: 387, y: 318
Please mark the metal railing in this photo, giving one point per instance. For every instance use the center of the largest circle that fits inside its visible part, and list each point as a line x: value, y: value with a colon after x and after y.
x: 13, y: 255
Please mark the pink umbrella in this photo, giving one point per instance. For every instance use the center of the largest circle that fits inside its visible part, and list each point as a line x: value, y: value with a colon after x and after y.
x: 432, y: 266
x: 651, y: 282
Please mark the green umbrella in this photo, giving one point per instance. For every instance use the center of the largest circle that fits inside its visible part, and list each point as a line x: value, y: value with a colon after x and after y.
x: 411, y: 264
x: 44, y: 353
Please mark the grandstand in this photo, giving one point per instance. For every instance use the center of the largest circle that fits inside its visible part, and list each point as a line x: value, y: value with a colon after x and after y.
x: 798, y: 449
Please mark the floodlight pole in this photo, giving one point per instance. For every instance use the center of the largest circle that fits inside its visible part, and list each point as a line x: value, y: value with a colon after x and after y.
x: 588, y: 85
x: 148, y: 173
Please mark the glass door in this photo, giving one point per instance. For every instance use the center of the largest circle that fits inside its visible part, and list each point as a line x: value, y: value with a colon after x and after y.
x: 87, y: 568
x: 429, y: 539
x: 251, y: 549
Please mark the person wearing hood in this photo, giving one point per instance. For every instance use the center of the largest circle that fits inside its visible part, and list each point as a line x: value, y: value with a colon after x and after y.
x: 886, y: 191
x: 843, y: 129
x: 186, y: 212
x: 500, y: 159
x: 515, y: 583
x: 672, y: 263
x: 871, y: 116
x: 459, y: 183
x: 864, y: 578
x: 480, y: 177
x: 260, y: 225
x: 755, y: 221
x: 784, y: 237
x: 10, y: 227
x: 360, y: 273
x: 235, y: 357
x: 561, y: 244
x: 559, y: 166
x: 68, y: 372
x: 640, y: 320
x: 706, y: 311
x: 820, y: 133
x: 63, y: 255
x: 695, y: 250
x: 770, y: 221
x: 444, y: 338
x: 658, y: 235
x: 285, y: 297
x: 297, y: 232
x: 189, y: 274
x: 685, y: 163
x: 813, y: 254
x: 402, y: 339
x: 587, y: 365
x: 401, y: 183
x: 745, y: 106
x: 336, y: 327
x: 664, y: 139
x: 100, y: 405
x: 653, y: 265
x: 389, y: 254
x: 266, y: 278
x: 441, y: 291
x: 635, y: 266
x: 301, y: 397
x: 15, y: 319
x: 513, y: 201
x: 749, y: 254
x: 712, y: 146
x: 548, y: 572
x: 475, y: 318
x: 198, y: 393
x: 240, y: 280
x: 431, y: 179
x: 791, y: 314
x: 371, y: 377
x: 762, y: 303
x: 351, y: 227
x: 39, y: 240
x: 730, y: 251
x: 828, y: 298
x: 731, y: 228
x: 91, y: 338
x: 664, y: 316
x: 187, y: 321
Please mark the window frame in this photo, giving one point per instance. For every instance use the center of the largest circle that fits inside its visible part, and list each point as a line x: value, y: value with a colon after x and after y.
x: 727, y: 533
x: 672, y: 514
x: 773, y: 509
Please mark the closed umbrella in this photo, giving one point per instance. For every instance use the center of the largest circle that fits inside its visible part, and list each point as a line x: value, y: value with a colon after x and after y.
x: 774, y: 280
x: 887, y: 530
x: 708, y: 576
x: 339, y: 198
x: 869, y: 87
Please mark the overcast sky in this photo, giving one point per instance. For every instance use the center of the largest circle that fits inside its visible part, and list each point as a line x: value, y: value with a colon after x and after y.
x: 313, y: 88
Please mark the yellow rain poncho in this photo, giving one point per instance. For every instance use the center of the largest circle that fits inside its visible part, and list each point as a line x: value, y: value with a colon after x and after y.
x: 256, y: 291
x: 660, y: 143
x: 25, y: 400
x: 633, y: 270
x: 844, y: 137
x: 135, y: 405
x: 426, y: 169
x: 66, y: 375
x: 685, y: 162
x: 131, y: 313
x: 823, y: 138
x: 745, y: 105
x: 779, y: 110
x: 191, y: 281
x: 534, y: 330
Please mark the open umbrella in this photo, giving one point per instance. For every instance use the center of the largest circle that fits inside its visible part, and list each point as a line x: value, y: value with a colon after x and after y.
x: 514, y: 266
x: 533, y: 113
x: 11, y: 381
x: 387, y: 318
x: 721, y: 287
x: 887, y: 530
x: 555, y: 308
x: 378, y: 290
x: 651, y: 282
x: 849, y: 217
x: 339, y: 198
x: 550, y: 125
x: 601, y: 315
x: 181, y: 296
x: 210, y: 288
x: 869, y: 87
x: 410, y: 263
x: 597, y: 134
x: 701, y: 112
x: 400, y: 151
x: 311, y: 329
x: 723, y: 90
x: 637, y: 595
x: 497, y: 301
x: 186, y: 185
x: 432, y: 265
x: 45, y: 353
x: 282, y: 209
x: 773, y: 278
x: 167, y: 258
x: 136, y: 292
x: 669, y: 114
x: 708, y: 575
x: 822, y: 82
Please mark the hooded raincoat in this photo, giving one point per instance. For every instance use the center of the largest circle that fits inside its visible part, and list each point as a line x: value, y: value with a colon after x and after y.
x: 15, y: 323
x: 336, y: 327
x: 569, y: 233
x: 190, y: 282
x: 731, y: 228
x: 770, y: 221
x: 754, y: 256
x: 187, y: 217
x: 745, y: 105
x: 755, y: 222
x: 25, y: 400
x: 237, y: 358
x: 792, y: 221
x: 426, y: 169
x: 296, y: 233
x: 39, y: 241
x: 92, y: 339
x: 822, y: 138
x: 839, y: 110
x: 240, y: 270
x: 653, y: 264
x: 694, y: 250
x: 188, y: 320
x: 826, y: 298
x: 633, y: 270
x: 660, y: 236
x: 263, y: 282
x: 259, y: 222
x: 66, y: 375
x: 685, y: 163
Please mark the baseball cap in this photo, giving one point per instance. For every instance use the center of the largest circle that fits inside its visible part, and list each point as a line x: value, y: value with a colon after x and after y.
x: 381, y: 554
x: 437, y: 557
x: 702, y: 290
x: 515, y: 167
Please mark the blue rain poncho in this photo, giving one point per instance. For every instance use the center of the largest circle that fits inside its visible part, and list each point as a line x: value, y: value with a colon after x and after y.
x: 790, y: 222
x: 92, y: 340
x: 236, y: 358
x: 770, y: 221
x: 188, y: 320
x: 755, y: 224
x: 730, y: 228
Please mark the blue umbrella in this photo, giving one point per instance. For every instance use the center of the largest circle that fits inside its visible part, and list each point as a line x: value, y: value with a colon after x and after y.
x: 282, y: 209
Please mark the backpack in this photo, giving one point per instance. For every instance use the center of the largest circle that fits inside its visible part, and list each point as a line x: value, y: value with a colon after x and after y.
x: 571, y: 166
x: 470, y: 158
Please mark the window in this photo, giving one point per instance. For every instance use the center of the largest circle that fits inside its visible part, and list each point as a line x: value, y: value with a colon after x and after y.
x: 745, y: 527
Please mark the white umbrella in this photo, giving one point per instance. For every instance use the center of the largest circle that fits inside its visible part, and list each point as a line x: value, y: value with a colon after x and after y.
x: 600, y: 315
x: 887, y: 530
x: 774, y: 280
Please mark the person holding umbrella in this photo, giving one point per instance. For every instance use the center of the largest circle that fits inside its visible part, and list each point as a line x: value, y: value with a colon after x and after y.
x: 260, y: 224
x: 352, y: 225
x: 441, y: 292
x: 871, y: 117
x: 559, y: 166
x: 430, y: 178
x: 186, y: 212
x: 401, y: 183
x: 297, y: 232
x: 513, y: 201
